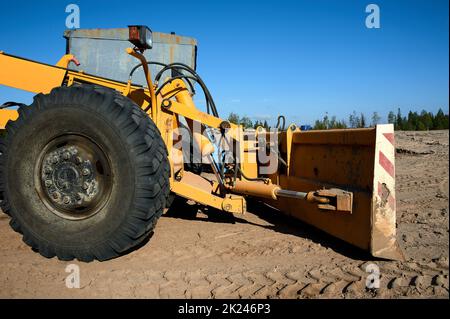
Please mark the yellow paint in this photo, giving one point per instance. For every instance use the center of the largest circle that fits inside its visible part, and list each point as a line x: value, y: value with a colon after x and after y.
x: 148, y: 77
x: 232, y: 204
x: 65, y: 60
x: 5, y: 116
x: 29, y: 75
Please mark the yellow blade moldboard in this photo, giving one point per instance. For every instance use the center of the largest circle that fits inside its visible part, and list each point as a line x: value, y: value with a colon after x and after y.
x: 358, y: 160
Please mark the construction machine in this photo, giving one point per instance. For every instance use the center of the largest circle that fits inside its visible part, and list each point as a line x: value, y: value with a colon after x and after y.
x: 89, y: 167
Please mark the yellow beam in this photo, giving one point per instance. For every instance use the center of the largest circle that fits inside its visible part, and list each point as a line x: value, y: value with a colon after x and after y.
x: 5, y: 116
x: 29, y: 75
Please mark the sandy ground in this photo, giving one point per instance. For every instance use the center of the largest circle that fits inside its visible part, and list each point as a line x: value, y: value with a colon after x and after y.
x: 262, y: 254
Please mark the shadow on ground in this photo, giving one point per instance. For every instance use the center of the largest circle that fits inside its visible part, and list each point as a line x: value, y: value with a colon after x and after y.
x: 279, y: 222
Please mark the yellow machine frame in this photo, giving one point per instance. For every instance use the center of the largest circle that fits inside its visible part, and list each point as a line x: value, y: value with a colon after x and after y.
x: 369, y: 225
x: 45, y: 77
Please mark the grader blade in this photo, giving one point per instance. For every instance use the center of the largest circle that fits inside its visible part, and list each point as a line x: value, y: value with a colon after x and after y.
x: 359, y: 162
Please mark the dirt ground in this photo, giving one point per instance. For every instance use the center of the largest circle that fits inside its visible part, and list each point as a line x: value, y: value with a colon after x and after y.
x: 262, y: 254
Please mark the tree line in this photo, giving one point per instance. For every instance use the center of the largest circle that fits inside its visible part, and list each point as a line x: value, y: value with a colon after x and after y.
x: 246, y: 122
x: 355, y: 120
x: 419, y: 122
x: 412, y: 122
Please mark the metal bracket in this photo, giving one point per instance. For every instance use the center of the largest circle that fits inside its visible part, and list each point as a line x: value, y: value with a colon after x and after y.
x: 234, y: 204
x: 340, y: 200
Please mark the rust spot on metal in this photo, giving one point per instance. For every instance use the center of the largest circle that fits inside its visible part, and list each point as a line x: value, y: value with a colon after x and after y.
x: 171, y: 50
x: 384, y: 193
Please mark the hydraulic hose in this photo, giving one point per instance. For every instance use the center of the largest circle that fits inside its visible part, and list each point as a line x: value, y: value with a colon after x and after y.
x: 11, y: 104
x: 160, y: 64
x: 185, y: 67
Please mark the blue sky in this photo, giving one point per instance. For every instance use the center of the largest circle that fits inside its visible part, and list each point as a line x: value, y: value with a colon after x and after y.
x: 264, y: 58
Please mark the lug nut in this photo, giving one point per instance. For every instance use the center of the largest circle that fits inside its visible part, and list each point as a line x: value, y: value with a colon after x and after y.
x: 55, y: 159
x: 86, y: 171
x: 85, y: 185
x: 48, y: 183
x: 55, y: 195
x: 47, y: 169
x: 66, y: 155
x: 66, y: 200
x: 78, y: 160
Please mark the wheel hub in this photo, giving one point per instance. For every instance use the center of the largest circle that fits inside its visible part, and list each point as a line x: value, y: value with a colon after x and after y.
x: 74, y: 177
x: 69, y: 178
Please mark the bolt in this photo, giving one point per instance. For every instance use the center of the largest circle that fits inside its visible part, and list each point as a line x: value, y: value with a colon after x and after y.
x: 78, y: 160
x: 66, y: 200
x: 86, y: 171
x: 55, y: 195
x: 48, y: 183
x: 85, y: 185
x: 227, y: 207
x: 78, y: 197
x: 66, y: 155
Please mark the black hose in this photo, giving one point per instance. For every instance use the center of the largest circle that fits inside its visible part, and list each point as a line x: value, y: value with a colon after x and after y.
x: 251, y: 178
x: 210, y: 104
x: 148, y: 63
x: 185, y: 67
x: 174, y: 78
x: 177, y: 66
x: 174, y: 66
x: 185, y: 77
x: 163, y: 65
x: 11, y: 104
x: 281, y: 127
x: 197, y: 78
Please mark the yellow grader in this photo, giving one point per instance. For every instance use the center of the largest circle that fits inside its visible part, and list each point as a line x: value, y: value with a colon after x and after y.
x: 88, y: 168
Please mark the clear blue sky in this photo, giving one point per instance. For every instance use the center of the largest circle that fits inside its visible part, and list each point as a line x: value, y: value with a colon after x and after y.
x: 263, y: 58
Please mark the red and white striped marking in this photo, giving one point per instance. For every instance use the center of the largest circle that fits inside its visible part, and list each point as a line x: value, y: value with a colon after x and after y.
x: 383, y: 204
x: 384, y: 172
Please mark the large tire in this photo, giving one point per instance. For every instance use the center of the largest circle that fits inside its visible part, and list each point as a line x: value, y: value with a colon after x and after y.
x: 96, y: 205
